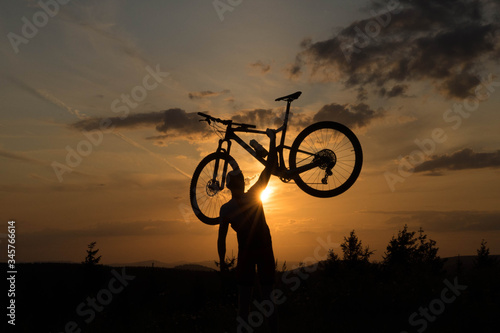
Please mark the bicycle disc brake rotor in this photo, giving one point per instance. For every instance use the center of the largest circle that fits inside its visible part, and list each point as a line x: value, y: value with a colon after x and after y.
x: 212, y: 187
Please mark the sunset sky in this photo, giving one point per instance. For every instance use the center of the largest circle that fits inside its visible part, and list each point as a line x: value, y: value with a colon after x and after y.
x: 417, y: 81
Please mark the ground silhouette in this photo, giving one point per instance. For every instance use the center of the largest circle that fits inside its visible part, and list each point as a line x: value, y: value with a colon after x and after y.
x: 345, y: 293
x: 338, y: 298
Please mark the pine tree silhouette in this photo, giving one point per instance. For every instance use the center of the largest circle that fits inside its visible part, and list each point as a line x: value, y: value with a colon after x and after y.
x: 353, y: 249
x: 91, y: 258
x: 409, y: 250
x: 483, y: 258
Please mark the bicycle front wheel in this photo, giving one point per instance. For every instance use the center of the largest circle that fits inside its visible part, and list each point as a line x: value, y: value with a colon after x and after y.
x: 336, y: 154
x: 207, y: 193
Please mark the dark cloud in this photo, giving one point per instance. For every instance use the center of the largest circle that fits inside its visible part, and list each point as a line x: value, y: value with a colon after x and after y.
x: 362, y: 94
x: 446, y: 42
x: 447, y: 220
x: 130, y: 121
x: 395, y: 91
x: 261, y: 67
x: 359, y: 115
x: 295, y: 70
x: 460, y: 160
x: 181, y: 122
x: 176, y: 122
x: 260, y: 117
x: 206, y: 94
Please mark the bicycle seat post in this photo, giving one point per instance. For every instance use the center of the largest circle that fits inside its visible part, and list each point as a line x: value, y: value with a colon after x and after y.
x: 285, y: 121
x: 288, y: 99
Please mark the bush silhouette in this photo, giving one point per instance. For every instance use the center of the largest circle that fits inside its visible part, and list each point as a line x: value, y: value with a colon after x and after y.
x: 229, y: 263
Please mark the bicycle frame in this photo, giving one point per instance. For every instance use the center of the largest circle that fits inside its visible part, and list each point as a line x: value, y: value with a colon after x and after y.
x: 281, y: 171
x: 324, y: 160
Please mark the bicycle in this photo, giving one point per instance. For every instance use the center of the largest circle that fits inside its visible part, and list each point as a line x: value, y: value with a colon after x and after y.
x: 325, y: 160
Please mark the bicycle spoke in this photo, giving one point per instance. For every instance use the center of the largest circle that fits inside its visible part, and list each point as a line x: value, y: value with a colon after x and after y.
x: 339, y: 167
x: 303, y: 160
x: 327, y: 140
x: 209, y: 198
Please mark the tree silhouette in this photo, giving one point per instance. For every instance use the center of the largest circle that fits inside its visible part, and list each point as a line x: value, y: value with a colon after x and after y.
x: 91, y: 258
x: 426, y: 252
x: 409, y: 250
x: 332, y: 256
x: 400, y: 249
x: 354, y: 255
x: 332, y: 262
x: 483, y: 258
x: 353, y: 249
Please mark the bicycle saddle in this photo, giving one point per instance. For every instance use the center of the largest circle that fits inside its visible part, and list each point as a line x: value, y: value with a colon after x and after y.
x: 290, y: 97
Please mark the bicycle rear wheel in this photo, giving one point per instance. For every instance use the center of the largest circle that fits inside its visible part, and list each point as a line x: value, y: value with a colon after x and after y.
x: 205, y: 193
x: 337, y: 154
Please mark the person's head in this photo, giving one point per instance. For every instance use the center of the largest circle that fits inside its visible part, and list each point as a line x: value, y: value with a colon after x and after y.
x: 235, y: 181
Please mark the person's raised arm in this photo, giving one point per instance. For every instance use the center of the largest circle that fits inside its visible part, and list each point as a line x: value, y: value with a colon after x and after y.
x: 272, y: 158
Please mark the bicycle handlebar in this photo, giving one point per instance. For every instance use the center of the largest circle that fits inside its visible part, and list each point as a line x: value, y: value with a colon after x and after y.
x: 288, y: 98
x: 225, y: 122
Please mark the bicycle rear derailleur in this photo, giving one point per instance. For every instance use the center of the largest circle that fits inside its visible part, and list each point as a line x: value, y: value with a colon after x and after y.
x: 326, y: 160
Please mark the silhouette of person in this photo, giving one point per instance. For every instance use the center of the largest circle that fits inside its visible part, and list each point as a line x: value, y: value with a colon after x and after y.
x: 245, y: 213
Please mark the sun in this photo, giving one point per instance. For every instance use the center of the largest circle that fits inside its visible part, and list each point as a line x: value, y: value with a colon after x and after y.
x: 264, y: 196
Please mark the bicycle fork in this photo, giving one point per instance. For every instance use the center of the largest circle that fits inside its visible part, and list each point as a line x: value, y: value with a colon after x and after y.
x: 215, y: 185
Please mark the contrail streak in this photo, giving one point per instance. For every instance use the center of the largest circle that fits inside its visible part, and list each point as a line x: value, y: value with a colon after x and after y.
x: 54, y: 100
x: 138, y: 145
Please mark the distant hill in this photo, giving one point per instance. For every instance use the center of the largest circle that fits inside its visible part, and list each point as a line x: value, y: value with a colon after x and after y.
x: 197, y: 266
x: 193, y: 267
x: 467, y: 262
x: 450, y: 264
x: 147, y: 263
